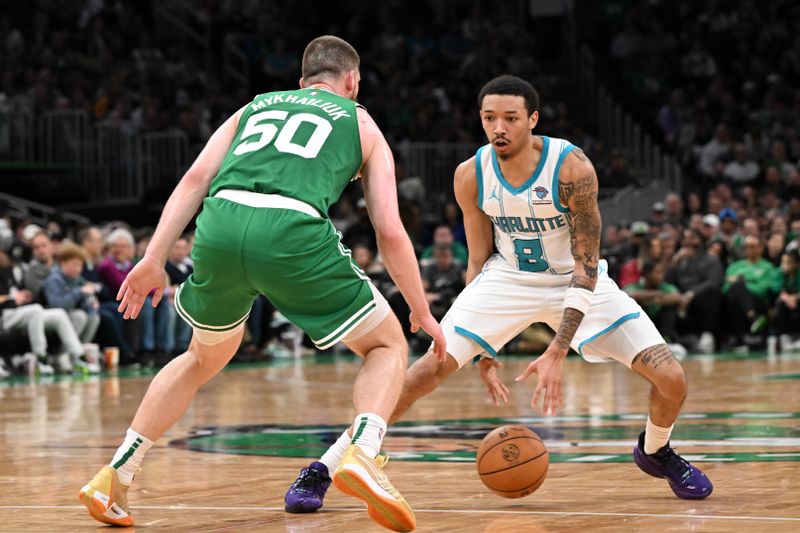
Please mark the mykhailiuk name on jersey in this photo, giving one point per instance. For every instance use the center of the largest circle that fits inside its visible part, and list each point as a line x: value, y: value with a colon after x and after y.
x: 333, y: 110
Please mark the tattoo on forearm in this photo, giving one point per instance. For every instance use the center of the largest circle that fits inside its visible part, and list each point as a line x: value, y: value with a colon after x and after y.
x: 656, y: 356
x: 569, y: 325
x: 584, y: 227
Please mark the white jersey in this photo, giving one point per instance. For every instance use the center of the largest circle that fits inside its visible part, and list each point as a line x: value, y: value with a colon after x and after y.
x: 530, y: 224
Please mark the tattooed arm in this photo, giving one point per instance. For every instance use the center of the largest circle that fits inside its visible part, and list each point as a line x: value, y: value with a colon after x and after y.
x: 577, y: 191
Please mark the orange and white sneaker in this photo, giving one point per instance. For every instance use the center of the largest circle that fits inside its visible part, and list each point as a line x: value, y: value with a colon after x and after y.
x: 361, y: 476
x: 107, y: 499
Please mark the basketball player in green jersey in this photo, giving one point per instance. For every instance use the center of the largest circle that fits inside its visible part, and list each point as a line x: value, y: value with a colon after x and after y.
x: 265, y: 180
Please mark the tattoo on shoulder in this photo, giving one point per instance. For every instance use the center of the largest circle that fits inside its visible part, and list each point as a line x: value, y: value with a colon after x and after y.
x: 579, y: 154
x: 656, y: 356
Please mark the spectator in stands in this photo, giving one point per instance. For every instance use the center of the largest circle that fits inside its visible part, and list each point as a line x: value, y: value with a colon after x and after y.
x: 118, y: 263
x: 443, y: 236
x: 673, y: 205
x: 91, y: 242
x: 112, y: 271
x: 669, y: 243
x: 178, y: 271
x: 777, y: 159
x: 631, y: 271
x: 658, y: 215
x: 20, y: 313
x: 776, y: 244
x: 698, y: 277
x: 38, y: 269
x: 660, y: 300
x: 65, y: 289
x: 157, y: 329
x: 787, y: 310
x: 717, y: 249
x: 713, y: 151
x: 365, y: 259
x: 443, y: 279
x: 451, y: 217
x: 694, y: 204
x: 709, y: 227
x: 742, y: 169
x: 794, y: 235
x: 616, y: 175
x: 729, y: 230
x: 747, y: 289
x: 361, y: 230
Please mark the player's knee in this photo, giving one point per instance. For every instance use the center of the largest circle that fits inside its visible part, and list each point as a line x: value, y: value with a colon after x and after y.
x: 672, y: 382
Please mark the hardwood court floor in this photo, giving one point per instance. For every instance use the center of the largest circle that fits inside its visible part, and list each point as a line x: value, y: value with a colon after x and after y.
x: 741, y: 425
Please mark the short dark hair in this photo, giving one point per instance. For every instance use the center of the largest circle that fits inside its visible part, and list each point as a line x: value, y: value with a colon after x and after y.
x: 508, y: 84
x: 328, y: 56
x: 648, y: 267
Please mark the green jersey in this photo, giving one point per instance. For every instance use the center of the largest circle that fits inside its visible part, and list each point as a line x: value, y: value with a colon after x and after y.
x: 651, y: 309
x: 303, y: 144
x: 758, y: 276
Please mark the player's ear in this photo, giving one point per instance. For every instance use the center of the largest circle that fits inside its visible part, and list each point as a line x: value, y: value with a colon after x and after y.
x: 302, y: 83
x: 533, y: 119
x: 350, y: 80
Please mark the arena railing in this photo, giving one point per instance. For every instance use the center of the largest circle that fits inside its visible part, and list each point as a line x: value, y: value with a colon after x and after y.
x: 652, y: 169
x: 17, y: 136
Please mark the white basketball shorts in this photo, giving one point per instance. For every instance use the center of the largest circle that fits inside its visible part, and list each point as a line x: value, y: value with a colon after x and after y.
x: 502, y: 301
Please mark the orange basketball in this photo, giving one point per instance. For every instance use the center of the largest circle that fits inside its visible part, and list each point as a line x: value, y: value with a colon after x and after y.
x: 512, y: 461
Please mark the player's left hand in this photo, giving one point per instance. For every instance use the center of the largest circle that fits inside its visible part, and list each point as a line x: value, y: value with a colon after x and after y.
x: 497, y: 390
x: 549, y: 366
x: 148, y: 274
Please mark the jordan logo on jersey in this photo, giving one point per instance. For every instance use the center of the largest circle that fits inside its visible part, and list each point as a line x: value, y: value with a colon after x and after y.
x: 493, y: 195
x: 541, y: 195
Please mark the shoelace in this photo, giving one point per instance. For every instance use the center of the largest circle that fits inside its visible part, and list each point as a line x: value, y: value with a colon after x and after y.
x: 675, y: 462
x: 308, y: 480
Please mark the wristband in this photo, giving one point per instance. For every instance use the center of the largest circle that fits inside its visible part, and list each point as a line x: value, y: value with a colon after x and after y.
x: 578, y: 299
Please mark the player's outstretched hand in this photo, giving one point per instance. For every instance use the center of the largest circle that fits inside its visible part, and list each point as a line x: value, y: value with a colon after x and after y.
x: 430, y: 326
x: 549, y: 367
x: 497, y: 390
x: 148, y: 274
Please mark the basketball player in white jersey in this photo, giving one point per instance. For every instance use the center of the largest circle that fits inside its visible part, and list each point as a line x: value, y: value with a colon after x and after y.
x: 535, y: 199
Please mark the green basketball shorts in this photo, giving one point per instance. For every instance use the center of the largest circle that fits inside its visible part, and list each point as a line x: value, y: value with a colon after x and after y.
x: 295, y: 258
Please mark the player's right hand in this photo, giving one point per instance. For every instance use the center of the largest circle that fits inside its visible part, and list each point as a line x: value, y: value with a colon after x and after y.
x: 497, y: 390
x: 148, y: 274
x: 430, y: 326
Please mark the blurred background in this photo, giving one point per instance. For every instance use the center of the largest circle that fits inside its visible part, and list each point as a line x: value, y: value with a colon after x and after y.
x: 689, y: 110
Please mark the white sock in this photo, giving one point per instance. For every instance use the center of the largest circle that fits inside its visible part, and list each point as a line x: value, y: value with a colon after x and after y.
x: 655, y: 437
x: 334, y: 455
x: 369, y: 430
x: 129, y: 455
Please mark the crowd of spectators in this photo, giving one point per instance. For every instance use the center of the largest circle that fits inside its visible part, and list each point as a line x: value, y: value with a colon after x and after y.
x: 129, y: 68
x: 719, y: 84
x: 713, y: 277
x: 716, y: 278
x: 57, y: 298
x: 716, y: 266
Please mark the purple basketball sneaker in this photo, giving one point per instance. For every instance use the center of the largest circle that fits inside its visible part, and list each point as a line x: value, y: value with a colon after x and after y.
x: 306, y: 493
x: 685, y: 480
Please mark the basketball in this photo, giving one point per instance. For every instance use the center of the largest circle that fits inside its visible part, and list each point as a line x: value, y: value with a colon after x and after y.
x: 512, y: 461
